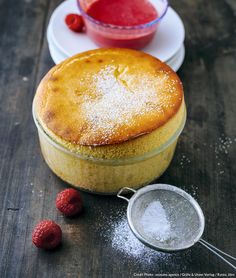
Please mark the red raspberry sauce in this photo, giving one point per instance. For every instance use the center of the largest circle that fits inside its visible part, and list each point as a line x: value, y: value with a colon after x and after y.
x: 123, y: 12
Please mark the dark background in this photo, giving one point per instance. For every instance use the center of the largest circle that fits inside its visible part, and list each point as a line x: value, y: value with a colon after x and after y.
x: 204, y: 163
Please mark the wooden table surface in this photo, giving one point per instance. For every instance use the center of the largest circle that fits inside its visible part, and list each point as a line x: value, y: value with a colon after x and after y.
x: 204, y: 164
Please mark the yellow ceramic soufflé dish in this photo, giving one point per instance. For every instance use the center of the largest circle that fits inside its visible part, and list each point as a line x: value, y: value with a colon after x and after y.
x: 109, y: 118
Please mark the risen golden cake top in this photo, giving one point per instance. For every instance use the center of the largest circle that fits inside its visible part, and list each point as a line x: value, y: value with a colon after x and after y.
x: 107, y: 96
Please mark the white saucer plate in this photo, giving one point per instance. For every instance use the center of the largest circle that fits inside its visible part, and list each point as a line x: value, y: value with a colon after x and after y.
x: 167, y: 41
x: 175, y: 62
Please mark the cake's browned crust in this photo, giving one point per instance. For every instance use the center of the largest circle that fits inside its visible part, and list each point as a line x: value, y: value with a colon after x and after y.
x: 107, y: 96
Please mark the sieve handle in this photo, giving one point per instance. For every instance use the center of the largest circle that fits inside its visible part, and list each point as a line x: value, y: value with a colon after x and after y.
x: 121, y: 191
x: 217, y: 252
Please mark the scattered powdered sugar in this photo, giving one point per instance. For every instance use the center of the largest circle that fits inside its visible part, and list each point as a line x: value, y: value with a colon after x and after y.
x: 222, y: 149
x: 123, y: 240
x: 155, y: 223
x: 192, y: 189
x: 25, y: 78
x: 116, y: 233
x: 39, y: 193
x: 114, y: 230
x: 223, y: 145
x: 184, y: 161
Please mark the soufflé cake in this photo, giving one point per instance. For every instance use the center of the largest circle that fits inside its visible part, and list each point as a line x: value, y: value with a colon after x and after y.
x: 109, y: 118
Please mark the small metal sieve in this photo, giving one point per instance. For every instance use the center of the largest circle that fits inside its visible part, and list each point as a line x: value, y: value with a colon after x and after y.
x: 185, y: 218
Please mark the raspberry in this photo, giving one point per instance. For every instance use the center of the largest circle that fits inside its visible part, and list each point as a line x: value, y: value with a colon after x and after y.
x: 75, y: 22
x: 69, y: 202
x: 47, y: 235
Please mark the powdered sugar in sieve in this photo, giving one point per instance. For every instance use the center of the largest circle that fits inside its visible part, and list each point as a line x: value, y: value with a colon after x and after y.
x: 166, y: 218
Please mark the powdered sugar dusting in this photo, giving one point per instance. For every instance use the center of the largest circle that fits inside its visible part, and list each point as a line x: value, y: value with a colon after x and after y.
x: 120, y: 101
x: 117, y: 104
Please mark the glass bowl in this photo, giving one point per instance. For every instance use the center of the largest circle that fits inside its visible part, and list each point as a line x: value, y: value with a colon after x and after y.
x: 108, y: 35
x: 101, y: 175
